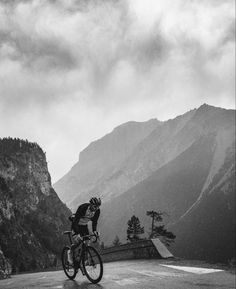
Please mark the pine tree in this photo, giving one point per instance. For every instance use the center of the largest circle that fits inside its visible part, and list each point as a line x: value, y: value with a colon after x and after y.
x: 116, y: 241
x: 134, y: 229
x: 160, y: 231
x: 156, y: 217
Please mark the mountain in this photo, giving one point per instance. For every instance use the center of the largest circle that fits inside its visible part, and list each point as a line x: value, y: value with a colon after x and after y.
x: 196, y: 188
x: 181, y: 166
x: 108, y: 168
x: 173, y: 188
x: 203, y: 221
x: 32, y: 217
x: 101, y: 160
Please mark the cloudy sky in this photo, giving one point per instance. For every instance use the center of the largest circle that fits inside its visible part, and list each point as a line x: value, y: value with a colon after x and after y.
x: 72, y: 70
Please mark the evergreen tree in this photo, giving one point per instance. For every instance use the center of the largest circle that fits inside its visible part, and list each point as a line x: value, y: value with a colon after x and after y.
x: 156, y: 217
x: 116, y: 241
x: 134, y: 229
x: 160, y: 231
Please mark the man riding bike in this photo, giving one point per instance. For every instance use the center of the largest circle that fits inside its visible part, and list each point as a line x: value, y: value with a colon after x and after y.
x: 85, y: 213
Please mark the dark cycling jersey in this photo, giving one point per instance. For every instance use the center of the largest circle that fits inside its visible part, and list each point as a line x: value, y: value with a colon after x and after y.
x: 83, y: 215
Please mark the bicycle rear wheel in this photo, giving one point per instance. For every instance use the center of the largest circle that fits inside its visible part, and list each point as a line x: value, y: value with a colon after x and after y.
x: 69, y: 270
x: 92, y: 264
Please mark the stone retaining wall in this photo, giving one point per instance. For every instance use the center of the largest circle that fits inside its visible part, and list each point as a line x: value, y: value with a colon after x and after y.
x: 143, y: 249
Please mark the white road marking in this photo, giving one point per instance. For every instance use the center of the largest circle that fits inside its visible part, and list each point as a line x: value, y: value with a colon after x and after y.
x: 194, y: 270
x: 156, y: 274
x: 145, y: 272
x: 128, y: 281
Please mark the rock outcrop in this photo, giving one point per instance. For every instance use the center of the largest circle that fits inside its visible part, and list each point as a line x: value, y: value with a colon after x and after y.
x: 5, y: 266
x: 32, y: 217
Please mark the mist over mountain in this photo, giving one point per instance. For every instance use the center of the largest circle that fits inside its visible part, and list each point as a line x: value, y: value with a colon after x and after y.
x: 32, y: 217
x: 184, y: 166
x: 101, y: 160
x: 207, y: 229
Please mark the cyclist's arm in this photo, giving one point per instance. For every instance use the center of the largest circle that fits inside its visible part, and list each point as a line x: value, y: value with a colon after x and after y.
x: 95, y: 220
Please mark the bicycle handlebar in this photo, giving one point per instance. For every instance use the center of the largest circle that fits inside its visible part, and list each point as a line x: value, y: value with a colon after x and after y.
x: 84, y: 237
x: 89, y: 237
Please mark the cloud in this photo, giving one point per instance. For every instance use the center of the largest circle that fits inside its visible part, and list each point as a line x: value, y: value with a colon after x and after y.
x: 72, y: 70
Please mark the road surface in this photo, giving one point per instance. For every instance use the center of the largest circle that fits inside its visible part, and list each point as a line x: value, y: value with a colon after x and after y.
x: 135, y: 274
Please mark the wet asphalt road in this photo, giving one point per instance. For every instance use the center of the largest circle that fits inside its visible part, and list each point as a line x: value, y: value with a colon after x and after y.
x: 135, y: 274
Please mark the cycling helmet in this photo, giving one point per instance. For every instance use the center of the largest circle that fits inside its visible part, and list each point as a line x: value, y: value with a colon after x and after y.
x: 95, y: 202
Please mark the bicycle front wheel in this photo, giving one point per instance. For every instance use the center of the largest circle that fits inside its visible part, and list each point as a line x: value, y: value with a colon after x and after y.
x: 92, y: 263
x: 68, y: 268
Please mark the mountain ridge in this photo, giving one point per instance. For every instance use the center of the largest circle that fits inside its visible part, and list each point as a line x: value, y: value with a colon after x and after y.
x: 153, y: 151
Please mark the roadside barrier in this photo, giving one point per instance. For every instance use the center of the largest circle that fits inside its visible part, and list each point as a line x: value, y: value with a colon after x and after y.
x: 142, y: 249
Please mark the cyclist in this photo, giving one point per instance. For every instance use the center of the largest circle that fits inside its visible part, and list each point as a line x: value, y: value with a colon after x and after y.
x: 85, y: 213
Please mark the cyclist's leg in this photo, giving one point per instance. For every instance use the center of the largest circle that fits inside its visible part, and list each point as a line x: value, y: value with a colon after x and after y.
x: 70, y: 251
x: 70, y: 257
x: 75, y: 242
x: 84, y: 231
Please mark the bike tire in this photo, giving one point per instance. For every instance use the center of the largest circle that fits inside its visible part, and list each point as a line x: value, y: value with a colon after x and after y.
x: 65, y: 264
x: 95, y: 261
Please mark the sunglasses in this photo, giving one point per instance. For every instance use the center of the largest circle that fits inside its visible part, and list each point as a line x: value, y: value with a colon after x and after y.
x: 93, y: 207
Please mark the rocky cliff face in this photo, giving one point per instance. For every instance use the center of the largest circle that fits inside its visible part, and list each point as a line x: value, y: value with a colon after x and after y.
x: 5, y: 266
x: 32, y: 217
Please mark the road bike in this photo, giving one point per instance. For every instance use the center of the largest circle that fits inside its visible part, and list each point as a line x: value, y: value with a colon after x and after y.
x: 85, y: 258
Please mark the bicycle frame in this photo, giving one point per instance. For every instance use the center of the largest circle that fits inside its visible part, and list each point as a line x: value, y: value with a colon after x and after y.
x: 81, y: 244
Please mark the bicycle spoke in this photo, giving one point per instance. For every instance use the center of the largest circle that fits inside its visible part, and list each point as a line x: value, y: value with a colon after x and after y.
x: 93, y: 265
x: 68, y: 268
